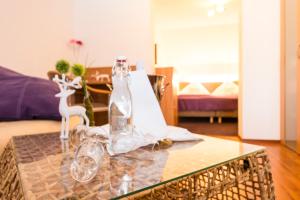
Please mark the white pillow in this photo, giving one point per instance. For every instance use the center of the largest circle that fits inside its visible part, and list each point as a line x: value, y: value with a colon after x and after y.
x: 227, y: 88
x: 194, y: 88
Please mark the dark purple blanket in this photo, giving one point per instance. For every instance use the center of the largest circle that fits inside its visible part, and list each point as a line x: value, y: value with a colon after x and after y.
x: 25, y: 98
x: 207, y: 103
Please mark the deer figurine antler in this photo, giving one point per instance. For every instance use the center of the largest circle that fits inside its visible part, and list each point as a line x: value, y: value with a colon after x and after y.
x: 67, y: 111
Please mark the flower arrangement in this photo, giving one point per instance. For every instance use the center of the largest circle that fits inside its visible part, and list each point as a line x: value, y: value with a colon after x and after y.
x: 78, y: 70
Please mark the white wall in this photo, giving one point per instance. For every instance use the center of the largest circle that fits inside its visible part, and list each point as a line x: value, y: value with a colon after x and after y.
x: 260, y: 70
x: 115, y: 27
x: 34, y: 33
x: 202, y: 53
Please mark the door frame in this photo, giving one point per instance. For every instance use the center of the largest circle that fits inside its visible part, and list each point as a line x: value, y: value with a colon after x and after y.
x: 282, y: 72
x: 283, y: 78
x: 298, y: 76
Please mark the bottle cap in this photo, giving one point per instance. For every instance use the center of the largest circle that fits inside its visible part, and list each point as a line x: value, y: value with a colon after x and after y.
x: 121, y: 59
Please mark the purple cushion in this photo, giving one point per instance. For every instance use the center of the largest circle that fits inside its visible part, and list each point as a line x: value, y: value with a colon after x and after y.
x: 25, y: 98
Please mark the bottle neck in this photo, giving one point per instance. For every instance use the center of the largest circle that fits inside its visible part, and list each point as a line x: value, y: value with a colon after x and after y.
x: 120, y: 70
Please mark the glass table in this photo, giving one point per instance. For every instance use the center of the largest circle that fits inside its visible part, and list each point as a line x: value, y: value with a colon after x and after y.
x: 37, y: 167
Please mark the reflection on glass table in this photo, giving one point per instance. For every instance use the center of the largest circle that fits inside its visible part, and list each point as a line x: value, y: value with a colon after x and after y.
x: 212, y: 167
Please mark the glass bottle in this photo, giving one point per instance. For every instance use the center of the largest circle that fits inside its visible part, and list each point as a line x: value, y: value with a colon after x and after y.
x: 120, y: 103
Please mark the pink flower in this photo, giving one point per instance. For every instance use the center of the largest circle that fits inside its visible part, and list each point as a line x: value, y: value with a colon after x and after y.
x: 79, y: 42
x: 76, y: 42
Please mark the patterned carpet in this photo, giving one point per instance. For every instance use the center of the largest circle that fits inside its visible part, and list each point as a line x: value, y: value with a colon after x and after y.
x: 229, y: 127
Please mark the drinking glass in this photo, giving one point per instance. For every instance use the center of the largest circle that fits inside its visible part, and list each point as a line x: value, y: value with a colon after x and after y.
x: 87, y: 160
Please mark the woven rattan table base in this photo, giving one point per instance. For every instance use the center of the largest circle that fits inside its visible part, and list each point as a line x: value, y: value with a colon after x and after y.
x: 10, y: 184
x: 248, y: 177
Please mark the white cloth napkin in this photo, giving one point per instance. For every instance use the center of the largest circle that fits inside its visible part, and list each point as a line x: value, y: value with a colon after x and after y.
x: 139, y: 138
x: 147, y: 115
x: 148, y: 120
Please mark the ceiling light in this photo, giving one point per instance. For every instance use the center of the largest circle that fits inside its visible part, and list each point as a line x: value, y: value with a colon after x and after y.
x: 218, y: 1
x: 211, y: 13
x: 220, y: 8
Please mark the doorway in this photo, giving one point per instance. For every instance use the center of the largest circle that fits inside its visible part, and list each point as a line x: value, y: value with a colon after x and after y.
x: 200, y: 39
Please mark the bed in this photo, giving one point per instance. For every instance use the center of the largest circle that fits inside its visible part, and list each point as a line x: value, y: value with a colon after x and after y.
x: 208, y: 100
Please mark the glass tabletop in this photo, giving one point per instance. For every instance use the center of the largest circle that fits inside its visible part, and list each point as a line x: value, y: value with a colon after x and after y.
x: 44, y: 166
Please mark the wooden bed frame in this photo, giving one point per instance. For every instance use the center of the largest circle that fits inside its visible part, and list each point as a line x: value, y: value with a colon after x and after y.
x: 211, y: 114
